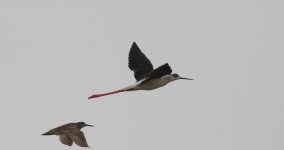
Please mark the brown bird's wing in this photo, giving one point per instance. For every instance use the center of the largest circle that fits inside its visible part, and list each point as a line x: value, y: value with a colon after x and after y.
x: 77, y: 136
x: 65, y: 140
x: 57, y: 130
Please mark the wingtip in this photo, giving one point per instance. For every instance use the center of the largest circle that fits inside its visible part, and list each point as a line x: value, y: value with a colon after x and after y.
x: 134, y: 47
x: 134, y: 44
x: 167, y: 64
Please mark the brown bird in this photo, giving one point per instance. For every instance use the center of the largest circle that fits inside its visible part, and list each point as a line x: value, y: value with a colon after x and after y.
x: 70, y: 133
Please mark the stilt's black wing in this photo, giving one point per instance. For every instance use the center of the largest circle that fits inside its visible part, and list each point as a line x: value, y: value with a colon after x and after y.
x: 163, y: 70
x: 139, y: 63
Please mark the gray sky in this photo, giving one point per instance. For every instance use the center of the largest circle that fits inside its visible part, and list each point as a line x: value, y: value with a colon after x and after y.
x: 56, y: 53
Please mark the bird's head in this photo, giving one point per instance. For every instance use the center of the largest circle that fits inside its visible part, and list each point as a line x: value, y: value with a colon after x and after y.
x: 83, y: 124
x: 175, y: 76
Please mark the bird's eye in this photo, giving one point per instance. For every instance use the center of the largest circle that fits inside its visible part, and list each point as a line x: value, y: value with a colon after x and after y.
x: 175, y: 75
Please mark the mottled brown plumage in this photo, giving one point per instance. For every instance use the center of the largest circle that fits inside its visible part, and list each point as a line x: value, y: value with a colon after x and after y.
x: 70, y: 133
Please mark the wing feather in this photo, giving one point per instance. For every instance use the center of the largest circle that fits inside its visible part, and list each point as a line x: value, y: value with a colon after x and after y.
x: 77, y: 137
x: 65, y: 140
x: 139, y: 63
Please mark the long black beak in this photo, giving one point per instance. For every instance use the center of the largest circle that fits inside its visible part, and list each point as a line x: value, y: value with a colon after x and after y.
x: 89, y: 125
x: 185, y: 78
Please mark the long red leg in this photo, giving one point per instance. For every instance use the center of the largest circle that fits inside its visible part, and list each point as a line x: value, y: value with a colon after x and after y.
x: 104, y: 94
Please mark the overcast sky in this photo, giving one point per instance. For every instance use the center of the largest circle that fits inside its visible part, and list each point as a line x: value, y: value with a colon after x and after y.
x: 56, y: 53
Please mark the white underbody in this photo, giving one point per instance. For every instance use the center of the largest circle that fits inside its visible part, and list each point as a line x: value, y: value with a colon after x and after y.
x: 149, y: 85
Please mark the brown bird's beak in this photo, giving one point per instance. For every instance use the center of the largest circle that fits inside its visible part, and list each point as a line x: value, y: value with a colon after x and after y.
x: 89, y: 125
x: 185, y: 78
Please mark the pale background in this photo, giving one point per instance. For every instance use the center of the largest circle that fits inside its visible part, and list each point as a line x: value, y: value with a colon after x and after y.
x: 56, y: 53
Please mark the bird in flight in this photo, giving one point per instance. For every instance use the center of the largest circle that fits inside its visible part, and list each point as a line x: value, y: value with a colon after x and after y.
x: 147, y: 78
x: 70, y: 133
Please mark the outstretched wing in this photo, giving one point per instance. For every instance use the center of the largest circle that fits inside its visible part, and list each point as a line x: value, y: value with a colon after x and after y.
x: 163, y: 70
x: 57, y: 130
x: 65, y: 140
x: 77, y: 137
x: 138, y: 63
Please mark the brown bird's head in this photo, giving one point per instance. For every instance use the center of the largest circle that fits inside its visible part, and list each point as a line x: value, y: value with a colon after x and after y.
x: 80, y: 125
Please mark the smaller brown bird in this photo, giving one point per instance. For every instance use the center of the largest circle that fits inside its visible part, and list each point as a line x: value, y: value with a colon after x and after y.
x: 70, y: 133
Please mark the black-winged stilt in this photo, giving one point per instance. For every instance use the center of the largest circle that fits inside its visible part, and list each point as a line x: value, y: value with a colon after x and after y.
x: 147, y: 77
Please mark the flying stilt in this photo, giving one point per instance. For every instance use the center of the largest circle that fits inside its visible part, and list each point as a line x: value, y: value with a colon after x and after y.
x: 147, y: 77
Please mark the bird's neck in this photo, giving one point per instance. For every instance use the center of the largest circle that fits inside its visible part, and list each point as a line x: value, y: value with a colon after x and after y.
x: 167, y: 78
